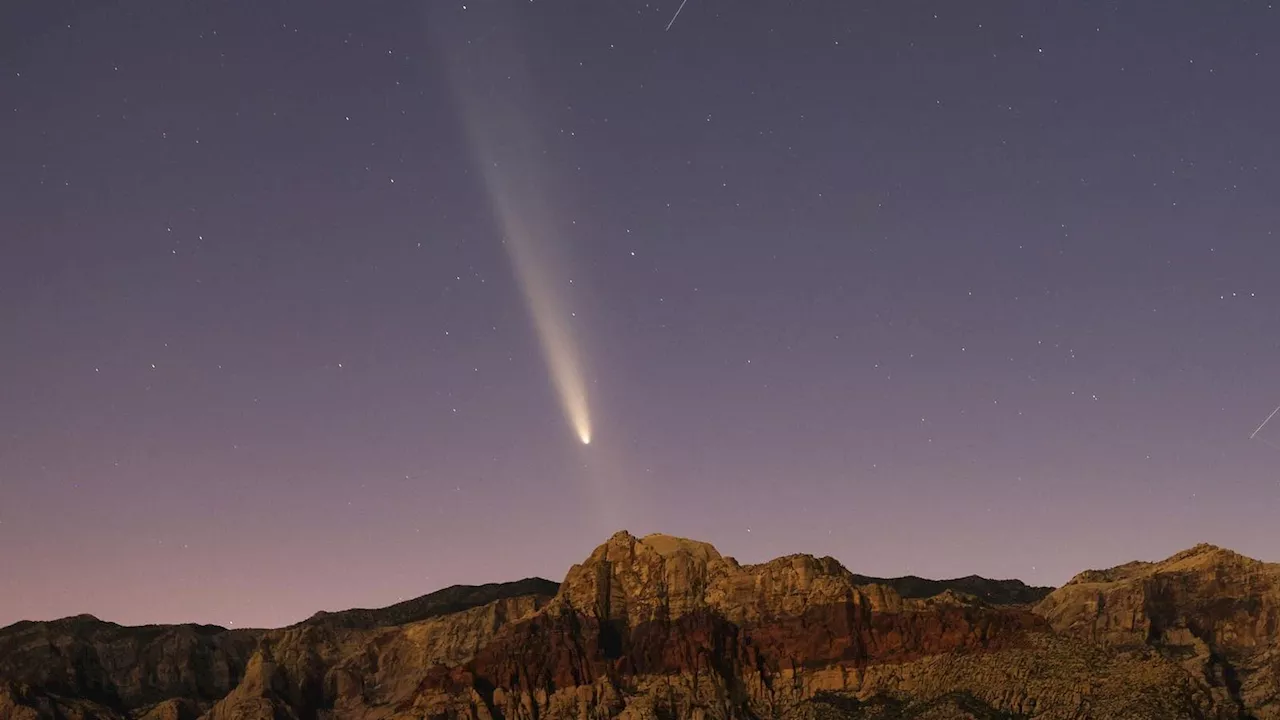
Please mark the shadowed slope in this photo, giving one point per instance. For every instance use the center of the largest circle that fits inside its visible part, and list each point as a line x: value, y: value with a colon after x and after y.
x: 994, y: 592
x: 442, y: 602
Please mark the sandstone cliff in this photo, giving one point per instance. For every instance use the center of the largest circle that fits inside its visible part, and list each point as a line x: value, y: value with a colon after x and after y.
x: 1213, y: 610
x: 662, y: 627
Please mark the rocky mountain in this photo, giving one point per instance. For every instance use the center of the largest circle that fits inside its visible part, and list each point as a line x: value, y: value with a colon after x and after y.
x: 83, y: 668
x: 1215, y: 612
x: 663, y: 627
x: 993, y: 592
x: 444, y: 602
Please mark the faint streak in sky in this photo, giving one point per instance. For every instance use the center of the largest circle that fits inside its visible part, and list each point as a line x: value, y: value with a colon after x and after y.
x: 673, y: 17
x: 1264, y: 441
x: 1264, y: 423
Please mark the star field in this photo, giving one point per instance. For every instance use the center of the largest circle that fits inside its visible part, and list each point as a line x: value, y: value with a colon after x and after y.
x: 929, y: 287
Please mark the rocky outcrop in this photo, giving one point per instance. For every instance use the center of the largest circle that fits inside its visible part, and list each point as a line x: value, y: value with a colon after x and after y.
x: 117, y: 669
x: 320, y: 669
x: 1215, y: 611
x: 634, y: 581
x: 82, y: 667
x: 662, y: 627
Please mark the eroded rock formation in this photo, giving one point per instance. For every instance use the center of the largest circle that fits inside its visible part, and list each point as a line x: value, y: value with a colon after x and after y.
x: 1214, y: 611
x: 662, y: 627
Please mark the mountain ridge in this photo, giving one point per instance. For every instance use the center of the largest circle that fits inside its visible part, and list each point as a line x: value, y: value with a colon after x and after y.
x: 666, y: 627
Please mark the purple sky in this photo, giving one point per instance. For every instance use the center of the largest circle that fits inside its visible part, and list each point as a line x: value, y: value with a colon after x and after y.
x: 932, y: 287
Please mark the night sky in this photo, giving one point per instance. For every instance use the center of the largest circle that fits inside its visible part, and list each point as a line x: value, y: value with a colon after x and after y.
x: 304, y: 303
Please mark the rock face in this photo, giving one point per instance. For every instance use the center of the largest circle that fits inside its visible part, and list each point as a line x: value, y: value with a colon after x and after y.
x: 77, y: 661
x: 1214, y: 611
x: 82, y: 667
x: 662, y: 627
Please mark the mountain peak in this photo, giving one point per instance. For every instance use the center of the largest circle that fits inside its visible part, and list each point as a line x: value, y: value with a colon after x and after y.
x: 670, y: 545
x: 1197, y: 558
x: 640, y: 579
x: 1204, y: 592
x: 1201, y: 552
x: 1202, y: 548
x: 661, y: 543
x: 622, y: 536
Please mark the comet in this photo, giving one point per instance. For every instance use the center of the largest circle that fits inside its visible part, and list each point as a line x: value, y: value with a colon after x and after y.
x: 550, y: 320
x: 522, y: 209
x: 500, y: 120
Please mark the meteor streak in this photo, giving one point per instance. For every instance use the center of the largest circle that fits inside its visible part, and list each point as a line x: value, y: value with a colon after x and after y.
x: 1264, y: 441
x: 1264, y: 423
x: 673, y: 17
